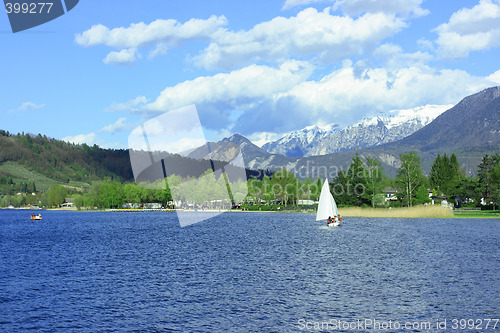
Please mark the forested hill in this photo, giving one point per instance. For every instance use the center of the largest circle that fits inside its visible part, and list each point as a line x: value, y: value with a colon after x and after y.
x: 62, y: 161
x: 31, y: 163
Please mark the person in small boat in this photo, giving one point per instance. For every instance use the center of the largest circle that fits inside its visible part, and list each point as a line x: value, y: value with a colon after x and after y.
x: 329, y: 220
x: 334, y: 219
x: 33, y: 215
x: 340, y: 218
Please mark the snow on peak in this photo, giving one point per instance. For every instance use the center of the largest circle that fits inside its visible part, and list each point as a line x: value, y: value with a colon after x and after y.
x: 307, y: 134
x: 365, y: 122
x: 423, y: 114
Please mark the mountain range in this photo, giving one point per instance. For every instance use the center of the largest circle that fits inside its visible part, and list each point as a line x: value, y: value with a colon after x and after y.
x: 470, y: 129
x: 369, y: 132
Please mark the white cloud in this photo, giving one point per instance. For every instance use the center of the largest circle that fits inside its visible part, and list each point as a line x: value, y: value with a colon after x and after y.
x: 311, y: 33
x: 119, y: 125
x: 425, y: 44
x: 174, y: 131
x: 292, y: 3
x: 495, y: 77
x: 308, y: 34
x: 30, y: 106
x: 131, y: 105
x: 82, y: 138
x: 221, y: 98
x: 394, y: 56
x: 400, y: 7
x: 470, y: 29
x: 158, y: 31
x: 235, y: 89
x: 344, y: 96
x: 160, y: 49
x: 357, y: 7
x: 124, y: 57
x: 277, y: 100
x: 27, y: 106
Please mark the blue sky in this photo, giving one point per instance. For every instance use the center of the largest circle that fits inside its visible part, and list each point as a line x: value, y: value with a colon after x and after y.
x: 260, y: 68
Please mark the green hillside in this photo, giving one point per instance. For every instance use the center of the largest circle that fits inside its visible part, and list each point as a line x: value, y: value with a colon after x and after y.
x: 27, y: 160
x: 20, y: 174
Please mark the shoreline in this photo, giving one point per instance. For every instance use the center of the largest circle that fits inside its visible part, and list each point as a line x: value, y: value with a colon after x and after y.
x: 402, y: 212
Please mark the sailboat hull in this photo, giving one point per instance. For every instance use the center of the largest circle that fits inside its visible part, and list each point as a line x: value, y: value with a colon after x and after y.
x: 334, y: 224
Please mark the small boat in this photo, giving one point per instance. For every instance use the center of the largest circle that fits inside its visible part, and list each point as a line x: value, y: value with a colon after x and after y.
x: 36, y: 217
x: 327, y: 208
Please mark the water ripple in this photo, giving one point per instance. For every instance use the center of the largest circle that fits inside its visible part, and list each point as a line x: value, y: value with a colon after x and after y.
x: 248, y: 272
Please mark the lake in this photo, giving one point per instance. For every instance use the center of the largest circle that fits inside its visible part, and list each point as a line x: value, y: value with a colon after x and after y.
x: 246, y: 272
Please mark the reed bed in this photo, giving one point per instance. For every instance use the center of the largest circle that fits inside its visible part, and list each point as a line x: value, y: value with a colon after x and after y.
x: 403, y: 212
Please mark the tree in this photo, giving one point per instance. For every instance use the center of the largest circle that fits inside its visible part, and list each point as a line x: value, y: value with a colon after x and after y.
x: 78, y: 201
x: 374, y: 178
x: 436, y: 174
x: 467, y: 190
x: 174, y: 183
x: 56, y: 195
x: 486, y: 175
x: 111, y: 195
x: 254, y: 192
x: 409, y: 177
x: 455, y: 166
x: 239, y: 190
x: 31, y: 199
x: 310, y: 189
x: 350, y: 186
x: 284, y: 185
x: 33, y: 187
x: 133, y: 193
x: 319, y: 185
x: 495, y: 179
x: 422, y: 196
x: 266, y: 189
x: 341, y: 189
x: 445, y: 174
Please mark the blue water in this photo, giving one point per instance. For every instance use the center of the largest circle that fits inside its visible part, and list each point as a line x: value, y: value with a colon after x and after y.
x: 241, y: 272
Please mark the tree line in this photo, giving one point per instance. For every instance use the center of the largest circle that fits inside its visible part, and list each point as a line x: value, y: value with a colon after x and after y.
x: 447, y: 180
x: 361, y: 184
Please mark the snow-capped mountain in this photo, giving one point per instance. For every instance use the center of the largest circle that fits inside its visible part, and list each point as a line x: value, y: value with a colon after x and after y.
x: 369, y: 132
x: 469, y: 129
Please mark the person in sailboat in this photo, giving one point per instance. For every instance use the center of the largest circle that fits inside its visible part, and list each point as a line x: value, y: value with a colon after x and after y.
x: 340, y: 218
x: 329, y: 220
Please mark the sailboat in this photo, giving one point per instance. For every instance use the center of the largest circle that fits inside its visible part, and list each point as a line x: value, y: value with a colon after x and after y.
x: 327, y: 207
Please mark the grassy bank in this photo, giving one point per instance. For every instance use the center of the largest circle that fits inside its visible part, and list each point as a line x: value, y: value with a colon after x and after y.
x: 478, y: 214
x: 404, y: 212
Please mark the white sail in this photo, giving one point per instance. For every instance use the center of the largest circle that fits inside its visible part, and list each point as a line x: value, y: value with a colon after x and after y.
x: 326, y: 206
